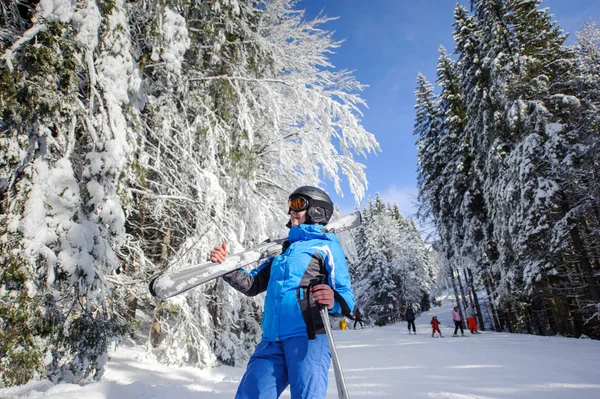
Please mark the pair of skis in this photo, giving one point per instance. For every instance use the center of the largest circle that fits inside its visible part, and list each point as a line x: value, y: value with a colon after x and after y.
x: 171, y: 283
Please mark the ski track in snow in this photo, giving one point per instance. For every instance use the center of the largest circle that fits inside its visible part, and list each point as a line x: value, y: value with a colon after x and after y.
x: 383, y: 362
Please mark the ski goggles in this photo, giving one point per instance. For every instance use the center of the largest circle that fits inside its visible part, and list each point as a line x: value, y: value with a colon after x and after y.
x: 297, y: 204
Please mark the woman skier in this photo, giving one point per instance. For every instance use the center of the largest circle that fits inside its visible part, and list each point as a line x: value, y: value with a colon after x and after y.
x: 457, y: 322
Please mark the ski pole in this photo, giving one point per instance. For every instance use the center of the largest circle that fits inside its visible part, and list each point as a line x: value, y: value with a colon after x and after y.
x: 337, y: 366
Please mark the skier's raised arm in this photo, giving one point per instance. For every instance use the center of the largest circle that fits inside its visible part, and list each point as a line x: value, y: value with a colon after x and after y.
x: 250, y: 284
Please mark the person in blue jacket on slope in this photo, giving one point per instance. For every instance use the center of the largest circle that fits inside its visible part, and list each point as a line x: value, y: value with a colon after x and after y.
x: 294, y: 350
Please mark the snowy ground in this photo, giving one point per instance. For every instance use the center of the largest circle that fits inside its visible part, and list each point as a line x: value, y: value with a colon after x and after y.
x: 377, y: 362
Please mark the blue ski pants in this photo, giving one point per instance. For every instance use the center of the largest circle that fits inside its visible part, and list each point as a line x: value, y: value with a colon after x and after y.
x: 301, y: 363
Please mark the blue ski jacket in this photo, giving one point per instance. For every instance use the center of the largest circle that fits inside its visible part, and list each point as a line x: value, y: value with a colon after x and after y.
x: 290, y: 310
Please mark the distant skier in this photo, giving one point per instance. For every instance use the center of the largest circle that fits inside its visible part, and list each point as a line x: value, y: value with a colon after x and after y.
x: 457, y: 322
x: 410, y: 318
x: 435, y: 326
x: 358, y: 318
x: 471, y: 322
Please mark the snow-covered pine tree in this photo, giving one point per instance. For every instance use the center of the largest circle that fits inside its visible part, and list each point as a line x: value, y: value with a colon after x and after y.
x: 473, y: 230
x: 427, y: 130
x: 524, y: 197
x: 377, y: 288
x: 70, y: 98
x: 424, y: 266
x: 576, y: 165
x: 450, y: 177
x: 393, y: 267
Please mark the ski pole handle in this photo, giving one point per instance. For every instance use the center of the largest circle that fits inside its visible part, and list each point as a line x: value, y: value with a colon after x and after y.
x: 318, y: 279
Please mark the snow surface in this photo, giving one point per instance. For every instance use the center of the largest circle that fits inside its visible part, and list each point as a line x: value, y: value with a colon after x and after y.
x: 377, y: 362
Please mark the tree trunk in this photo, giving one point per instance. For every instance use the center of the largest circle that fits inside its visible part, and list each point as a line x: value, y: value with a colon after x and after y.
x: 156, y: 331
x: 456, y: 296
x: 505, y: 319
x: 540, y: 318
x: 476, y: 301
x: 582, y: 255
x: 528, y: 321
x: 572, y: 329
x: 469, y: 288
x: 495, y: 318
x: 463, y: 319
x: 131, y: 309
x: 131, y: 306
x: 462, y: 290
x: 166, y: 244
x: 132, y: 269
x: 589, y: 225
x: 559, y: 316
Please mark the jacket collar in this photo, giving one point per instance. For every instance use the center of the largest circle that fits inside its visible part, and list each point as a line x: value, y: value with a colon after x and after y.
x: 309, y: 232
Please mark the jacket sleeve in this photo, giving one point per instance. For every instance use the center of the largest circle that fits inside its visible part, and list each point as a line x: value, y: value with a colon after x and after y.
x: 250, y: 283
x: 339, y: 278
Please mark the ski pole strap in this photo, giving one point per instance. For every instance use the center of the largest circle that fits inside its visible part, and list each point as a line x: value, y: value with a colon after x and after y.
x: 344, y: 305
x: 311, y: 329
x: 313, y: 325
x: 346, y: 311
x: 310, y: 319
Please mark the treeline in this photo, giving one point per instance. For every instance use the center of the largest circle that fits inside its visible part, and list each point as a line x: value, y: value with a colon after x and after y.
x: 137, y: 135
x: 509, y: 165
x: 393, y: 268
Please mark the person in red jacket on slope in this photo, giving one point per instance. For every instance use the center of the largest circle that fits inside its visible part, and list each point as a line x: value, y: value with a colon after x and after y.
x: 435, y: 325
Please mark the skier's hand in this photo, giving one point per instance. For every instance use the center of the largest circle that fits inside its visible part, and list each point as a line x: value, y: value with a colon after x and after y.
x: 323, y: 294
x: 218, y: 254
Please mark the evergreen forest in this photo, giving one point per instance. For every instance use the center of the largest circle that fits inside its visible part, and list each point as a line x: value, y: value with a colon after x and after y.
x: 508, y: 139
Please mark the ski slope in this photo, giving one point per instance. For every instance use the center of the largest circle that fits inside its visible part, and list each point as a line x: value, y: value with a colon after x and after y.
x: 378, y: 363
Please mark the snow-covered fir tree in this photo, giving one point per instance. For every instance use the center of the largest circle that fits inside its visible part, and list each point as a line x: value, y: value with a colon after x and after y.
x: 71, y: 99
x: 394, y: 267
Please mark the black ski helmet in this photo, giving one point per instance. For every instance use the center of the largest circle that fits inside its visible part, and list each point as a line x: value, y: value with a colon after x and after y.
x: 320, y: 206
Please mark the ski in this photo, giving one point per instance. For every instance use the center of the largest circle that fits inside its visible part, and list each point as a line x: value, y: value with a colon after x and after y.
x: 171, y: 283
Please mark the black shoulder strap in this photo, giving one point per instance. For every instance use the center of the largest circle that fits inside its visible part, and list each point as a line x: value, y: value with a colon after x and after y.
x: 345, y: 308
x: 346, y: 311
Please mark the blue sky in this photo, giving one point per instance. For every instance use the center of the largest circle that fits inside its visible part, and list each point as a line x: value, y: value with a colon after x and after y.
x: 387, y: 43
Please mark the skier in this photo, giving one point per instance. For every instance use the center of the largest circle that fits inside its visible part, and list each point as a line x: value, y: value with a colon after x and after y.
x: 294, y: 349
x: 471, y: 322
x: 410, y: 318
x: 358, y: 318
x: 457, y: 322
x: 435, y: 325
